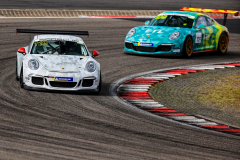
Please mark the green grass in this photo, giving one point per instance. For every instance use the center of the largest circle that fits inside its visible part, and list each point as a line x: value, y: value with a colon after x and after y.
x: 225, y: 93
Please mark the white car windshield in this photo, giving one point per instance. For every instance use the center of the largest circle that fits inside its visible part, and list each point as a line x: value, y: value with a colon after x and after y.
x: 59, y: 48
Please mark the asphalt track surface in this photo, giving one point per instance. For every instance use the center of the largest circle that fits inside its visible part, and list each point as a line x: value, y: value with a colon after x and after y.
x: 119, y: 5
x: 52, y: 125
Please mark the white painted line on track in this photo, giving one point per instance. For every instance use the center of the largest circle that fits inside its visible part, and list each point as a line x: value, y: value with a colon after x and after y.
x: 136, y: 100
x: 138, y: 86
x: 182, y: 117
x: 168, y: 74
x: 161, y: 75
x: 205, y: 124
x: 137, y: 90
x: 194, y: 120
x: 154, y: 77
x: 225, y: 66
x: 208, y: 67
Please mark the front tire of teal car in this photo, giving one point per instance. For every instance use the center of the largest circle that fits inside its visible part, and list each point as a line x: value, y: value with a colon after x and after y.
x: 187, y: 47
x: 223, y: 44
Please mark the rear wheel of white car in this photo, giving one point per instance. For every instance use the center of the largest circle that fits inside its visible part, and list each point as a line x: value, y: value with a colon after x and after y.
x: 187, y: 47
x: 21, y: 79
x: 16, y: 74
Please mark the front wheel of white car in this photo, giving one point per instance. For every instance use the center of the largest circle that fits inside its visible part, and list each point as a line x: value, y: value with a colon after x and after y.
x: 16, y: 73
x: 21, y: 79
x: 100, y: 85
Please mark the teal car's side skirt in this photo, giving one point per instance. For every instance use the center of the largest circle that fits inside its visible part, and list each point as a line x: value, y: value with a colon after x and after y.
x: 168, y: 53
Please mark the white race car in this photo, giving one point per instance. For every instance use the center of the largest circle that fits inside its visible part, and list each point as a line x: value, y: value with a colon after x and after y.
x: 55, y: 61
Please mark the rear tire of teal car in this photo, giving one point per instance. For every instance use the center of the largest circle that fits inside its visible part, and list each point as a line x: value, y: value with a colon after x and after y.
x: 187, y: 47
x: 223, y: 44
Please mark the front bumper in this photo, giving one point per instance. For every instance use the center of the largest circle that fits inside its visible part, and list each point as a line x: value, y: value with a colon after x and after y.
x: 75, y: 81
x: 155, y: 48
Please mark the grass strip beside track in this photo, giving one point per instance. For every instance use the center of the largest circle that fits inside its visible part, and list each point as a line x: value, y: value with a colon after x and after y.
x: 224, y: 93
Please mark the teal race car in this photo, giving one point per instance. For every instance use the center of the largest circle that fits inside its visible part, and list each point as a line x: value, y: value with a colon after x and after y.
x: 178, y: 33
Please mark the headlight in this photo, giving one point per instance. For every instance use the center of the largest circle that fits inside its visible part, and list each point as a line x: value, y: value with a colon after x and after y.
x: 131, y: 32
x: 174, y: 35
x: 33, y: 64
x: 91, y: 66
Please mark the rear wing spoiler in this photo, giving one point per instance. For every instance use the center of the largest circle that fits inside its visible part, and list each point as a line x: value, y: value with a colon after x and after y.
x: 52, y: 32
x: 225, y: 12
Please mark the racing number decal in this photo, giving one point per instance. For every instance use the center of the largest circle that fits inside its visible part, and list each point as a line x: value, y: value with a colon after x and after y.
x: 198, y: 38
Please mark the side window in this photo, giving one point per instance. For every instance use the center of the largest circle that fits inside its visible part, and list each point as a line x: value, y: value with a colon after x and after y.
x: 209, y: 21
x: 84, y: 51
x: 201, y: 20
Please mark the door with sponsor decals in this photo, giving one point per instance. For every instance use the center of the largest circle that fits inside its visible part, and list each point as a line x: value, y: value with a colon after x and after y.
x: 202, y: 34
x: 211, y: 39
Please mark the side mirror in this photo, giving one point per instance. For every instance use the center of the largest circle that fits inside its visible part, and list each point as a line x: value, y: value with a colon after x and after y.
x: 201, y: 26
x: 22, y: 50
x: 95, y: 53
x: 146, y: 23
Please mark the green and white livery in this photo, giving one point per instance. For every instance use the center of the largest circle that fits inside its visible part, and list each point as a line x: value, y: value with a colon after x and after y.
x: 177, y: 33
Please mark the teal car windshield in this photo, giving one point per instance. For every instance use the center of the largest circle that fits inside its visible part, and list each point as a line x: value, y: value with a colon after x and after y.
x: 59, y: 48
x: 172, y: 21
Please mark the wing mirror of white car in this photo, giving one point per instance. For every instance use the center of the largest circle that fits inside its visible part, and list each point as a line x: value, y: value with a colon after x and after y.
x: 201, y: 26
x: 146, y: 23
x: 22, y: 50
x: 95, y: 53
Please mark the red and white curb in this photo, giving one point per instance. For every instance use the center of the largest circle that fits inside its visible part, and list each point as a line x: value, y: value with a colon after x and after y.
x: 133, y: 90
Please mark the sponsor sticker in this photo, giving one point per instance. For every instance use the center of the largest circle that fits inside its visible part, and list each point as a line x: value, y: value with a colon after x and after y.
x: 80, y: 43
x: 175, y: 14
x: 41, y: 43
x: 198, y: 38
x: 161, y: 17
x: 145, y: 44
x: 176, y: 49
x: 69, y: 79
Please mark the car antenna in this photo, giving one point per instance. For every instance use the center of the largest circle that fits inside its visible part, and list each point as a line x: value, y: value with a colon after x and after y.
x: 190, y: 3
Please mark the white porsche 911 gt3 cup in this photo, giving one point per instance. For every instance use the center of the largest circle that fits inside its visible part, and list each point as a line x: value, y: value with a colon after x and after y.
x: 57, y: 62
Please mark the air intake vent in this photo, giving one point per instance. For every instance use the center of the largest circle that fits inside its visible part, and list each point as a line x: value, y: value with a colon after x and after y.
x: 63, y: 84
x: 129, y: 45
x: 37, y: 80
x: 87, y: 82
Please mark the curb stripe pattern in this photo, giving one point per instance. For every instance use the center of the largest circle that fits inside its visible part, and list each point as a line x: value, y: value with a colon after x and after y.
x: 135, y: 92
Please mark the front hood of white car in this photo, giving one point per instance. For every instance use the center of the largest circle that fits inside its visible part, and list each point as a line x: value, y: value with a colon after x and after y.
x: 62, y: 63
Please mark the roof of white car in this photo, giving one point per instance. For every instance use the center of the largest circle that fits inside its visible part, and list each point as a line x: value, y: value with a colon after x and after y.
x: 57, y: 37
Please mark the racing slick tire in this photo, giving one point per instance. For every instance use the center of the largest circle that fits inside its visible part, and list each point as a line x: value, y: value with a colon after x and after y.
x: 17, y: 78
x: 21, y: 79
x: 187, y: 47
x: 100, y: 85
x: 223, y: 44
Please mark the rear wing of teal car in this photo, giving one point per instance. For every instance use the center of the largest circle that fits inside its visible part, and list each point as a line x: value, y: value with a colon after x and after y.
x: 225, y: 12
